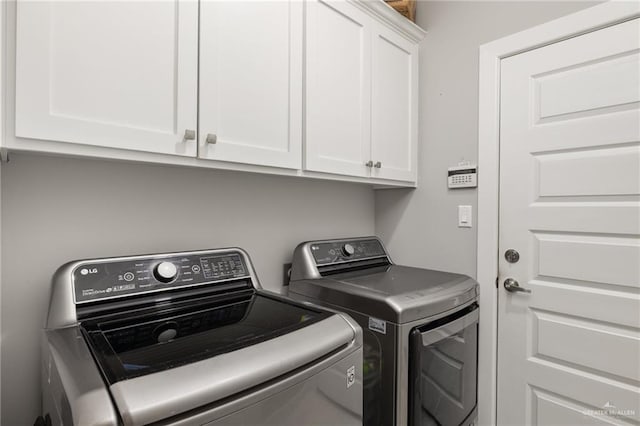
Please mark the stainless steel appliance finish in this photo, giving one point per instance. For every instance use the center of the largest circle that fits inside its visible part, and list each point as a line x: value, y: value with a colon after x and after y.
x: 420, y: 329
x: 191, y: 338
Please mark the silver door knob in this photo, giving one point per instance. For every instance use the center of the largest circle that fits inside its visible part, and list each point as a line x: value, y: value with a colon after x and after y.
x: 369, y: 163
x: 189, y: 135
x: 377, y: 165
x: 512, y: 256
x: 512, y: 286
x: 211, y: 138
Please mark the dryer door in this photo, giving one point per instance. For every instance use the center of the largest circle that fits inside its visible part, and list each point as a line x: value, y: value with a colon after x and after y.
x: 443, y: 370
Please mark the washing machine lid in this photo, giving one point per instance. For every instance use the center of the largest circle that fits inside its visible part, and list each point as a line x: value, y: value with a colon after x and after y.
x: 399, y: 294
x: 179, y: 358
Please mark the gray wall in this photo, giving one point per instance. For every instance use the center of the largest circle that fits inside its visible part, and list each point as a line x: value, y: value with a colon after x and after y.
x: 55, y: 209
x: 59, y: 209
x: 420, y: 226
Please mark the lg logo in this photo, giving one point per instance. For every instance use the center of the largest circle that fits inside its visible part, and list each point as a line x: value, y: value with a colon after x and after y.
x: 85, y: 271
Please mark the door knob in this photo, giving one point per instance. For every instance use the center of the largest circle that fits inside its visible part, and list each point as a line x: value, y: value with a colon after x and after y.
x: 369, y: 163
x: 377, y: 165
x: 512, y: 286
x: 512, y: 256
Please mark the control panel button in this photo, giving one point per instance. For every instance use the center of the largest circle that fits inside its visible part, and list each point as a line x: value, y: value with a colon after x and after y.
x: 195, y: 269
x: 348, y: 250
x: 128, y: 276
x: 165, y: 272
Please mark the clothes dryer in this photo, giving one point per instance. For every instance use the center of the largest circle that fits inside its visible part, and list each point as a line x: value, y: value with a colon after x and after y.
x: 420, y: 329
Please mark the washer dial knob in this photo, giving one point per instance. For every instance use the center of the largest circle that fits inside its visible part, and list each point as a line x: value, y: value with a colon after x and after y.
x: 165, y: 272
x: 348, y: 250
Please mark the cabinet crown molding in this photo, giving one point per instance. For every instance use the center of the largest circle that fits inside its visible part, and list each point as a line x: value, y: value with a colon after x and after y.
x: 385, y: 13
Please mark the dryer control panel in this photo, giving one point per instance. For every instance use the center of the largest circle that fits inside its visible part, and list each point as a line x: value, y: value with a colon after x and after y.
x: 346, y: 250
x: 111, y: 278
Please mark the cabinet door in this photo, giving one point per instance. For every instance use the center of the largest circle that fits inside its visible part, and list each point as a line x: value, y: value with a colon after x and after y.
x: 115, y: 74
x: 338, y: 88
x: 251, y: 82
x: 394, y: 106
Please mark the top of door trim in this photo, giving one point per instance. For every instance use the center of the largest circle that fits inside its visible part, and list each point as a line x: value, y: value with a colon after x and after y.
x: 573, y: 25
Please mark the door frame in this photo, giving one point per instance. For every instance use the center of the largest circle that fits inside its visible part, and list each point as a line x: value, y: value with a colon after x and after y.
x: 588, y: 20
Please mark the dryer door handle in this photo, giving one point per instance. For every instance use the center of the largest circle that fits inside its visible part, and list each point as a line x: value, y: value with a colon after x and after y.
x: 447, y: 330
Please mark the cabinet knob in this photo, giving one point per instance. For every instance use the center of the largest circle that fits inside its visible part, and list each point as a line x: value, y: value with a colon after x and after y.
x: 369, y: 163
x: 377, y: 165
x: 211, y: 138
x: 189, y: 135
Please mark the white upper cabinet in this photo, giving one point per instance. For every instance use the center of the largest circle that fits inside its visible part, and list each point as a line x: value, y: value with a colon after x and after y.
x: 319, y: 88
x: 361, y: 91
x: 394, y: 106
x: 338, y: 82
x: 115, y: 74
x: 251, y: 82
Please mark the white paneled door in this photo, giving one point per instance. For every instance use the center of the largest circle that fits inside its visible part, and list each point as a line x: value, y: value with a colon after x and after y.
x: 117, y: 74
x: 569, y: 351
x: 251, y: 82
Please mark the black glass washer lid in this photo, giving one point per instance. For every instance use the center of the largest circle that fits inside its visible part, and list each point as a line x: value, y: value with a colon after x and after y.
x: 128, y: 346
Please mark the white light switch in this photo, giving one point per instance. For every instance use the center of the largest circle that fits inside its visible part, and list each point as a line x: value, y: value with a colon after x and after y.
x: 465, y: 215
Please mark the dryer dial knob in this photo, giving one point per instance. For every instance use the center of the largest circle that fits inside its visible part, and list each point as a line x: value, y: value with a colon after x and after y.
x: 348, y: 250
x: 165, y: 272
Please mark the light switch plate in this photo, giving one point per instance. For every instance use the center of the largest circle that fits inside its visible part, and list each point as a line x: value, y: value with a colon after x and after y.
x: 465, y: 217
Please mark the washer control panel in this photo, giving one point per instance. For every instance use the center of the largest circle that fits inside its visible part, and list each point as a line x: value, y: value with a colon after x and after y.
x: 94, y: 281
x: 346, y: 250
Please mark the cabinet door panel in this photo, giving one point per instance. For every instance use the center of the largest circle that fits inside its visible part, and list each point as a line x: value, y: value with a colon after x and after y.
x: 114, y: 74
x: 338, y: 88
x: 251, y: 82
x: 394, y: 106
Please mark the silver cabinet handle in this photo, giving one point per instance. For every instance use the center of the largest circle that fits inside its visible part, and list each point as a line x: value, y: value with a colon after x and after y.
x: 369, y: 163
x: 512, y: 286
x: 211, y: 138
x: 189, y: 135
x: 377, y: 165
